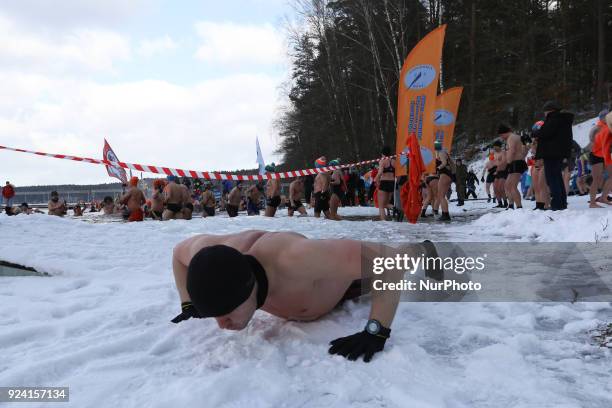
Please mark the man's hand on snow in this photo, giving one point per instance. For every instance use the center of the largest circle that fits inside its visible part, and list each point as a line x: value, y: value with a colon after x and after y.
x: 188, y: 312
x: 362, y: 343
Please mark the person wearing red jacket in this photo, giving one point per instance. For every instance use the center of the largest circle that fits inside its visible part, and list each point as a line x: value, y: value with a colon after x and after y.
x: 8, y: 192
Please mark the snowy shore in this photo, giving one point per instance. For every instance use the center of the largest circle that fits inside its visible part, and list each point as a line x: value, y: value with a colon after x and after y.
x: 101, y: 325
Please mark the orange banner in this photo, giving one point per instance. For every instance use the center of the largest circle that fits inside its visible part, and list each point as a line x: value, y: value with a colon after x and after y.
x: 418, y: 88
x: 445, y: 116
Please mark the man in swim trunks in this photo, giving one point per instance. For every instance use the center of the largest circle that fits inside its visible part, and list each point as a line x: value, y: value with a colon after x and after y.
x: 173, y: 198
x: 385, y: 180
x: 234, y: 199
x: 501, y: 173
x: 273, y: 199
x: 296, y: 189
x: 157, y: 199
x: 134, y: 199
x: 516, y: 154
x: 490, y: 169
x: 430, y: 182
x: 338, y: 187
x: 208, y: 201
x: 187, y: 199
x: 321, y: 190
x: 253, y: 195
x: 228, y: 277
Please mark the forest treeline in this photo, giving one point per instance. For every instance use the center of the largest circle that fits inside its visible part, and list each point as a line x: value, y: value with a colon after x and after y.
x: 510, y: 56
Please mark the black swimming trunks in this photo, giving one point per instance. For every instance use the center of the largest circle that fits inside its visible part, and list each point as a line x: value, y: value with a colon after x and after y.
x: 210, y: 211
x: 357, y: 288
x: 296, y: 205
x: 157, y: 214
x: 517, y: 166
x: 386, y: 185
x: 337, y: 190
x: 429, y: 179
x: 174, y: 207
x: 491, y: 174
x: 252, y: 207
x: 321, y: 201
x: 593, y: 159
x: 189, y: 206
x: 501, y: 174
x: 273, y: 202
x: 447, y: 171
x: 232, y: 210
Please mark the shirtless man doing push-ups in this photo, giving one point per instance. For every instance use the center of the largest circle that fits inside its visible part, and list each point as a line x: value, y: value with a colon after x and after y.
x: 228, y: 277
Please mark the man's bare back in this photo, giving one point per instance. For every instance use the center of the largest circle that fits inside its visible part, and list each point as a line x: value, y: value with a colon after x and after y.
x: 134, y: 199
x: 299, y: 288
x: 286, y: 274
x: 173, y: 194
x: 516, y: 149
x: 208, y: 199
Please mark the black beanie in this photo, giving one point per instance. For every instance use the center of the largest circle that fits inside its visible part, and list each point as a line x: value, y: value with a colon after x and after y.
x: 550, y: 106
x: 503, y: 128
x: 219, y: 279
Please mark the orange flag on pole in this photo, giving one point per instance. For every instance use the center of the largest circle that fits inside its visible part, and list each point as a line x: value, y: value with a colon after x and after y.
x: 410, y: 193
x: 418, y: 87
x: 445, y: 116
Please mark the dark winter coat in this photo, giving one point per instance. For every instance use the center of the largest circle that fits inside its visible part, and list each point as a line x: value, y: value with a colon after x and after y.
x: 555, y: 136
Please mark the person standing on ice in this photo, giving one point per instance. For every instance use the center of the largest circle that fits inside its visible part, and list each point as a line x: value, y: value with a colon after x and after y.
x: 471, y: 182
x: 8, y: 192
x: 273, y: 198
x: 337, y: 187
x: 157, y: 199
x: 173, y: 199
x: 501, y: 173
x: 296, y: 190
x: 516, y: 164
x: 385, y: 180
x: 554, y: 147
x: 490, y: 168
x: 228, y: 277
x: 460, y: 180
x: 597, y: 160
x: 321, y: 190
x: 187, y: 199
x: 234, y: 198
x: 208, y: 201
x: 444, y: 169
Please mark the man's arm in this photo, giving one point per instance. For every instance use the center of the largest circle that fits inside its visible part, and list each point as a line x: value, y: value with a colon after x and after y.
x: 179, y: 268
x: 291, y: 193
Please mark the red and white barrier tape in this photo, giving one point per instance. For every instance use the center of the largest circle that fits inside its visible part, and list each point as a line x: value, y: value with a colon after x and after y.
x: 209, y: 175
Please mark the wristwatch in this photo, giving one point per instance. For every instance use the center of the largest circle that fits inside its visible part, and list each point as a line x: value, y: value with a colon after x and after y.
x: 374, y: 327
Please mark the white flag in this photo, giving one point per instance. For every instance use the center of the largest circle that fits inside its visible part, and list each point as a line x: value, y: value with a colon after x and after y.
x: 260, y: 160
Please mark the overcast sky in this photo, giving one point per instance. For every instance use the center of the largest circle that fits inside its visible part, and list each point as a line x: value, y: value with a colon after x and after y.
x: 184, y: 84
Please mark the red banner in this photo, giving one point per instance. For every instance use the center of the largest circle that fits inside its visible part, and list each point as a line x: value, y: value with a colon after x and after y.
x: 113, y: 171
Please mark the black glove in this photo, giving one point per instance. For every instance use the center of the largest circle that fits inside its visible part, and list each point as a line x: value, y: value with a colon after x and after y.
x: 188, y: 312
x: 482, y: 179
x: 362, y: 343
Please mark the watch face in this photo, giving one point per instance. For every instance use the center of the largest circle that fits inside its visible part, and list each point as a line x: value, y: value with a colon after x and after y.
x: 373, y: 327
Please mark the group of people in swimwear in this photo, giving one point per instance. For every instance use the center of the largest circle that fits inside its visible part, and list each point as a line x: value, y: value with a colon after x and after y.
x: 554, y: 167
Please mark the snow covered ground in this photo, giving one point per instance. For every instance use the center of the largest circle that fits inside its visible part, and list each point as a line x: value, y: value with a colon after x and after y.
x: 101, y: 324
